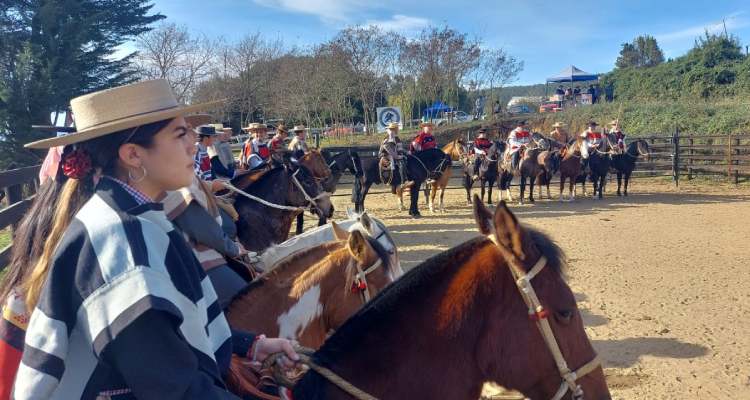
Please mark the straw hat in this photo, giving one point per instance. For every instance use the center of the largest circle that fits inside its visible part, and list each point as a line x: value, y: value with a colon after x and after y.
x: 282, y: 128
x: 299, y: 128
x: 112, y: 110
x: 392, y: 125
x: 592, y: 123
x: 614, y: 122
x: 558, y: 125
x: 218, y: 127
x: 196, y: 120
x: 423, y: 124
x: 255, y: 126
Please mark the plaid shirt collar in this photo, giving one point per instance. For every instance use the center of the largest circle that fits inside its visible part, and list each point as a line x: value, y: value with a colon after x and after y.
x: 138, y: 196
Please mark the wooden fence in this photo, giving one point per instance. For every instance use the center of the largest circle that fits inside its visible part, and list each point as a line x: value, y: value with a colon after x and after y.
x: 19, y: 186
x: 677, y: 156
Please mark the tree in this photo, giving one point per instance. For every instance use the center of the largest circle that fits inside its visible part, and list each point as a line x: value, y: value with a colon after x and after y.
x: 170, y: 52
x: 644, y: 51
x: 54, y: 50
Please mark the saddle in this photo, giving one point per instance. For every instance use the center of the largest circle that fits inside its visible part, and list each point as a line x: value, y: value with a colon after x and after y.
x: 384, y: 168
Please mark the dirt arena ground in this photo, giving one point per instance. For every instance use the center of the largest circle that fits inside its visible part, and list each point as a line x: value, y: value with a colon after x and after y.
x: 662, y: 279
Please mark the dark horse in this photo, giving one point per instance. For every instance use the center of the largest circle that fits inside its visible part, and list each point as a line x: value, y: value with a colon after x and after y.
x: 599, y: 162
x: 288, y: 190
x: 624, y: 163
x: 488, y: 172
x: 345, y: 161
x: 528, y: 167
x: 468, y: 324
x: 420, y: 167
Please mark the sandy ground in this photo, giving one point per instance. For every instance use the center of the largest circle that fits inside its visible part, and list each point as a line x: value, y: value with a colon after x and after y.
x: 662, y: 278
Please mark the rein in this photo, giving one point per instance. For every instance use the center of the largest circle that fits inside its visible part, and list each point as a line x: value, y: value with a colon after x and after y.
x: 538, y: 314
x: 311, y: 200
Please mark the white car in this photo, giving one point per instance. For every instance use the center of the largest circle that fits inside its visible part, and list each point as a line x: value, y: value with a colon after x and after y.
x: 458, y: 117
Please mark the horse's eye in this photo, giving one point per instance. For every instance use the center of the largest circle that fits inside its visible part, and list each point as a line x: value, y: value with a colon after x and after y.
x: 564, y: 316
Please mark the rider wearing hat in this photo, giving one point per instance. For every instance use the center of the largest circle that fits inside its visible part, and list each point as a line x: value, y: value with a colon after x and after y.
x: 592, y: 139
x: 207, y: 164
x: 424, y: 140
x: 559, y: 134
x: 299, y: 142
x: 255, y: 150
x: 393, y: 149
x: 517, y: 138
x: 481, y: 145
x: 278, y: 141
x: 619, y: 134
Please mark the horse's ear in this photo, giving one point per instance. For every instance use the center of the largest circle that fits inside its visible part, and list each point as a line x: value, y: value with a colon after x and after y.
x: 360, y: 248
x: 508, y: 231
x: 338, y: 232
x: 366, y: 222
x: 482, y: 216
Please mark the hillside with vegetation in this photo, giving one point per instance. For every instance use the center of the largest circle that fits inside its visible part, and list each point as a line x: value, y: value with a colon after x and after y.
x: 706, y: 91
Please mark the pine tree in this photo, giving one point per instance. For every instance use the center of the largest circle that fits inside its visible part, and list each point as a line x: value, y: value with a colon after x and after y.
x: 54, y: 50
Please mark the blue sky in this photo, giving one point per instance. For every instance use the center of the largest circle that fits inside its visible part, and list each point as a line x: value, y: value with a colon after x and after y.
x: 546, y: 35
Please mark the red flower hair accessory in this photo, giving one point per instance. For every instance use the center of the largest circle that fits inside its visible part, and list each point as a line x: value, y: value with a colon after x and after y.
x: 77, y: 164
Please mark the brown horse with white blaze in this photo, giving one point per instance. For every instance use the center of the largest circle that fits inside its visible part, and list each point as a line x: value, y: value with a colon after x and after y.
x: 459, y: 320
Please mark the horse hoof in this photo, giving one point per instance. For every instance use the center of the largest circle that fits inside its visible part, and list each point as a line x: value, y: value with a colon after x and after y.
x: 618, y: 194
x: 531, y: 201
x: 416, y: 216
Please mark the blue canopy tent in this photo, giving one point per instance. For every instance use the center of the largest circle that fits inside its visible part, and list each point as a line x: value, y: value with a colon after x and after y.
x: 571, y: 74
x: 436, y: 109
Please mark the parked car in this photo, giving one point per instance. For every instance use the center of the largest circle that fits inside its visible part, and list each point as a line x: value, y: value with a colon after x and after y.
x: 519, y: 109
x: 458, y: 117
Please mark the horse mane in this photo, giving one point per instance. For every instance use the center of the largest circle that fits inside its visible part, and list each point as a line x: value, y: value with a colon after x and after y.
x: 414, y: 286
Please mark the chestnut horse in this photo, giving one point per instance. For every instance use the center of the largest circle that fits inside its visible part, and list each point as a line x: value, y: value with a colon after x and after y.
x: 456, y: 150
x: 459, y: 320
x: 570, y: 167
x: 314, y: 161
x: 283, y: 192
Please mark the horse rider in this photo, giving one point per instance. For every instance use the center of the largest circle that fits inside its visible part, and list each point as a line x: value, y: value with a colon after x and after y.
x: 518, y: 138
x: 278, y: 141
x: 207, y: 164
x: 393, y: 150
x: 619, y: 134
x: 559, y: 133
x: 424, y: 140
x: 255, y: 150
x: 592, y: 139
x: 481, y: 146
x: 299, y: 142
x: 223, y: 150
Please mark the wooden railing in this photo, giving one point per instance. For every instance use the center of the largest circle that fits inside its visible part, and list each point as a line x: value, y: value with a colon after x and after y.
x: 19, y: 186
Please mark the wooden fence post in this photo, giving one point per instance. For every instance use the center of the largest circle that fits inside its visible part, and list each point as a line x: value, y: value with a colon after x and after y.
x: 737, y: 160
x: 676, y: 157
x: 317, y: 139
x: 14, y: 194
x: 729, y: 156
x: 691, y: 155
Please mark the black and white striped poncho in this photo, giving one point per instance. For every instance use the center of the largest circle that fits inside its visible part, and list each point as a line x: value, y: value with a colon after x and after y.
x: 116, y: 261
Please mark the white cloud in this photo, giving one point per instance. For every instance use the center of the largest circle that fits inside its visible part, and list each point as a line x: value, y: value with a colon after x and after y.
x: 400, y: 23
x: 731, y: 21
x: 331, y: 11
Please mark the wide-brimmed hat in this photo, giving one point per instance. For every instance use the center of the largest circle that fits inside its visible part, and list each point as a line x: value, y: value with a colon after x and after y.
x: 482, y: 130
x: 206, y: 130
x: 282, y: 128
x: 255, y: 126
x: 196, y: 120
x: 427, y: 123
x: 558, y: 125
x: 392, y: 125
x: 218, y: 127
x: 614, y: 122
x: 522, y: 122
x: 592, y: 123
x: 113, y: 110
x: 299, y: 128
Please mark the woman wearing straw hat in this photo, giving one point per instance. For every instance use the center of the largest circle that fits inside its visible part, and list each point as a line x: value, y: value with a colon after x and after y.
x: 255, y: 150
x: 559, y: 134
x: 121, y: 306
x: 393, y: 150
